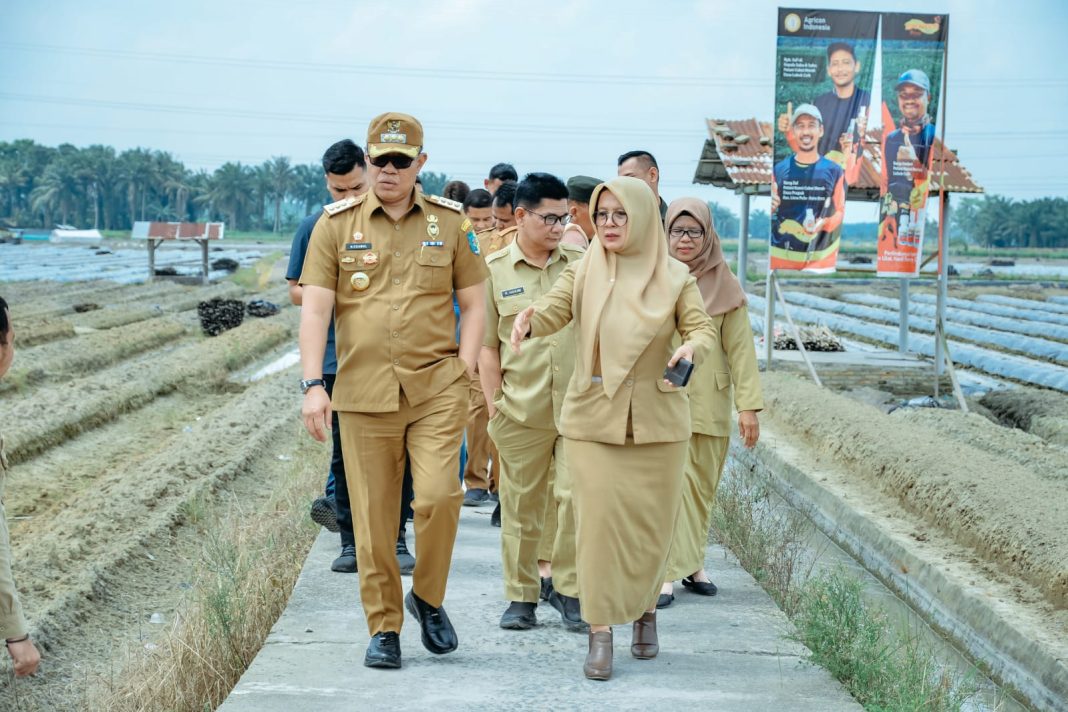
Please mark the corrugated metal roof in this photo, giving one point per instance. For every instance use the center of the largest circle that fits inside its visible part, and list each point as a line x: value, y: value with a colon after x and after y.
x: 738, y: 155
x: 177, y: 231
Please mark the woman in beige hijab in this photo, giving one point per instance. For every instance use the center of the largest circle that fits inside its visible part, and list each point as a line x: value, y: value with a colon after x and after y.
x: 692, y: 239
x: 625, y: 427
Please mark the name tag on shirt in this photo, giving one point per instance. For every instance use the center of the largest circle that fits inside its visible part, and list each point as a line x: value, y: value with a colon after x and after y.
x: 358, y: 246
x: 512, y: 292
x: 433, y: 243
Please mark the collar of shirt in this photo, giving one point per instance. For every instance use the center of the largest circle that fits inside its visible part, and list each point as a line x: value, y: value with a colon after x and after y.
x: 373, y: 203
x: 516, y: 255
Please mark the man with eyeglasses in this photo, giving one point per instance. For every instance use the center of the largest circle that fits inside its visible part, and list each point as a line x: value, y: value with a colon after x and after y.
x: 387, y: 264
x: 527, y: 394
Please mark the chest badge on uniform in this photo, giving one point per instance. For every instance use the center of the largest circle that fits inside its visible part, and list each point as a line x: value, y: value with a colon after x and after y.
x: 370, y: 259
x: 347, y: 260
x: 432, y: 229
x: 431, y: 218
x: 360, y: 281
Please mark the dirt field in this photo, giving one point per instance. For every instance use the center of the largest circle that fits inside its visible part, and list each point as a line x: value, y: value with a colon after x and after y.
x: 995, y: 492
x: 129, y: 439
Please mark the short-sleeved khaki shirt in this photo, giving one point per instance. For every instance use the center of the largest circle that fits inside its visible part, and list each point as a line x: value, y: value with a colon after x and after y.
x: 393, y: 285
x: 535, y: 381
x: 489, y: 241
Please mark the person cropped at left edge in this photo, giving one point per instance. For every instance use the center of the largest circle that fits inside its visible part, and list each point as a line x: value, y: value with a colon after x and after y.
x: 387, y: 264
x: 13, y: 628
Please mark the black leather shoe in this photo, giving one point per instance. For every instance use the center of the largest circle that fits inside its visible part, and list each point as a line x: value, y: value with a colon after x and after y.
x: 383, y: 651
x: 404, y: 557
x: 439, y: 637
x: 546, y: 588
x: 665, y: 600
x: 346, y: 562
x: 495, y: 518
x: 703, y: 588
x: 570, y: 612
x: 519, y: 616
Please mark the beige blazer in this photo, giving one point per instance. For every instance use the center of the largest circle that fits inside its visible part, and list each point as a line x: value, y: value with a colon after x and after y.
x: 645, y: 406
x: 734, y: 362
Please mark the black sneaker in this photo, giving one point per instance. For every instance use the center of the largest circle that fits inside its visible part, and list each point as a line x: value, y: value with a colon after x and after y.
x: 519, y: 616
x: 546, y: 588
x: 495, y: 518
x: 494, y: 497
x: 383, y: 651
x: 324, y: 512
x: 570, y: 612
x: 439, y: 637
x: 475, y: 497
x: 346, y: 563
x: 404, y: 558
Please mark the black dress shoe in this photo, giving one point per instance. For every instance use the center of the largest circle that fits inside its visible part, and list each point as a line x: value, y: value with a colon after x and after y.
x: 570, y: 612
x: 346, y: 562
x: 665, y: 600
x: 703, y: 588
x: 546, y: 588
x: 383, y: 651
x: 405, y: 560
x: 495, y: 518
x: 439, y: 637
x: 519, y: 616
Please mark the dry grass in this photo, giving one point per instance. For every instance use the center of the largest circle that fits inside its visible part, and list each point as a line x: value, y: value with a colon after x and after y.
x: 249, y: 564
x: 122, y: 314
x: 31, y: 332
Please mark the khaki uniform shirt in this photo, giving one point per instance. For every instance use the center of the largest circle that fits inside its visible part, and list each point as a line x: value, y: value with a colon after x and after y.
x: 644, y: 405
x: 489, y: 241
x: 734, y: 362
x: 535, y: 381
x: 577, y: 234
x: 12, y: 621
x: 399, y: 332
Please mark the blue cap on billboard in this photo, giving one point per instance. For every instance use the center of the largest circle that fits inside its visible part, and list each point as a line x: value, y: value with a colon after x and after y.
x: 917, y: 77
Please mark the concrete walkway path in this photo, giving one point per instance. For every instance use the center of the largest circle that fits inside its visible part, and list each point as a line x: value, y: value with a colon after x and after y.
x: 724, y: 653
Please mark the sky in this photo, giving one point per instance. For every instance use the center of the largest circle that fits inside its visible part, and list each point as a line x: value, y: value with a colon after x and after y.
x: 563, y: 87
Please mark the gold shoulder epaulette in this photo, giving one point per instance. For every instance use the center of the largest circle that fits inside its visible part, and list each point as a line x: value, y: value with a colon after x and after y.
x: 342, y: 205
x: 444, y: 202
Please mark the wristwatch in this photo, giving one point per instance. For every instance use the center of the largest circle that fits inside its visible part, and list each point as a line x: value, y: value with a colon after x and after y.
x: 305, y: 386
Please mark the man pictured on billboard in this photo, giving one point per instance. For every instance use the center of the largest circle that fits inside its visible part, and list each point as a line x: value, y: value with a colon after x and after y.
x: 906, y: 150
x: 844, y: 109
x: 807, y: 200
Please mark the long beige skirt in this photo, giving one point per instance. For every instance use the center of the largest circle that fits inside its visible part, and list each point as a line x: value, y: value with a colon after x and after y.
x: 626, y: 498
x: 704, y: 465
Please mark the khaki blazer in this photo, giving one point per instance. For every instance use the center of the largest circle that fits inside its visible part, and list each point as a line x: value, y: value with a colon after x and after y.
x: 644, y: 406
x: 734, y: 362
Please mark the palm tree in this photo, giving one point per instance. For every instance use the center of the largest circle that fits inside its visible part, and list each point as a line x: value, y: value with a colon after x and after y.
x: 58, y: 190
x: 281, y: 180
x: 232, y: 187
x: 138, y: 170
x: 309, y: 189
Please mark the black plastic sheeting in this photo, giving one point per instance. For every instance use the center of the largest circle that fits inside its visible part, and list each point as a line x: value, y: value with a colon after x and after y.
x: 1004, y: 365
x: 995, y: 309
x: 1026, y: 345
x: 966, y: 316
x: 1023, y: 303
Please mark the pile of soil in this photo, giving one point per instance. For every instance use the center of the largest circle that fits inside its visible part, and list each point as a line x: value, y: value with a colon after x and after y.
x: 1039, y: 412
x: 942, y: 475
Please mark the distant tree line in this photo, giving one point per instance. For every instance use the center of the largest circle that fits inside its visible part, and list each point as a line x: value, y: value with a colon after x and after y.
x: 102, y: 188
x: 989, y: 221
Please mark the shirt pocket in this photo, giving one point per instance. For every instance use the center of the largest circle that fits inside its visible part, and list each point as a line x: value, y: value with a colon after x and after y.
x: 723, y: 380
x: 665, y: 387
x: 508, y: 307
x: 432, y: 269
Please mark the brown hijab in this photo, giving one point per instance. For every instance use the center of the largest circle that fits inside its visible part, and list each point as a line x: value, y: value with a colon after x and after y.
x: 623, y: 298
x: 720, y: 288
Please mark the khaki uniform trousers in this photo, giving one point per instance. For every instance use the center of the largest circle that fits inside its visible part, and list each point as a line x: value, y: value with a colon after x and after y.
x: 704, y: 465
x: 480, y: 449
x: 528, y: 483
x: 374, y: 446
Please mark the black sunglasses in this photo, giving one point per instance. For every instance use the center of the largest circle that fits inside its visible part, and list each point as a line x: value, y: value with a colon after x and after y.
x: 399, y: 161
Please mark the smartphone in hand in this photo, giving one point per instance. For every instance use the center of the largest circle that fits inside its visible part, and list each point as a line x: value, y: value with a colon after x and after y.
x: 679, y: 374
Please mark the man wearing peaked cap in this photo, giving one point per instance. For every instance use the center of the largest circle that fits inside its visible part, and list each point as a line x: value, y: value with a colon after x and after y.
x: 387, y: 264
x: 579, y: 231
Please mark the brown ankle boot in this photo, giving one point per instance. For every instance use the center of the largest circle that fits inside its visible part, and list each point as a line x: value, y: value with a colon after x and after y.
x: 644, y: 644
x: 599, y: 660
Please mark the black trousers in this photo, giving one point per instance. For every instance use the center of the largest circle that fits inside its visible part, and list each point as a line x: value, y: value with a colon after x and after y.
x: 341, y: 487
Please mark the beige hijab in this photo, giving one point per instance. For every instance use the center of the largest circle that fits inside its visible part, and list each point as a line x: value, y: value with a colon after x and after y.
x: 720, y: 288
x: 623, y: 298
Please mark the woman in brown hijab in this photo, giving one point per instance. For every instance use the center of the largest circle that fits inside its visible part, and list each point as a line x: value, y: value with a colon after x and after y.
x: 625, y: 427
x: 692, y: 239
